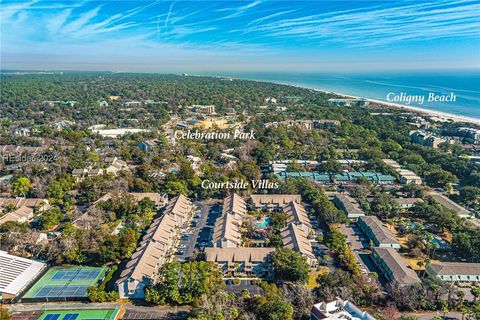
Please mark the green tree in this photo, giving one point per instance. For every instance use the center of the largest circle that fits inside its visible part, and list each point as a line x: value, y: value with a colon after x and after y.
x: 272, y: 305
x: 289, y: 265
x: 470, y: 195
x: 50, y: 218
x: 331, y: 166
x: 21, y: 186
x: 475, y: 291
x: 182, y: 283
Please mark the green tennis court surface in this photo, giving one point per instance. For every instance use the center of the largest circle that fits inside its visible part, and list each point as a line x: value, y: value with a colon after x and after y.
x: 79, y: 315
x: 65, y: 282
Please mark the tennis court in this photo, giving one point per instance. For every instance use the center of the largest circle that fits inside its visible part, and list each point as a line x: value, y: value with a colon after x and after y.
x: 65, y: 282
x: 80, y: 274
x: 79, y: 315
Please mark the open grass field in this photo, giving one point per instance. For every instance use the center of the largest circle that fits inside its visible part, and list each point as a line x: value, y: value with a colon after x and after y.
x: 413, y: 262
x: 65, y: 282
x: 79, y: 315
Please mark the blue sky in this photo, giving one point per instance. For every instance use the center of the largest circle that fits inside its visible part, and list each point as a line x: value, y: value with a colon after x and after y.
x: 255, y: 35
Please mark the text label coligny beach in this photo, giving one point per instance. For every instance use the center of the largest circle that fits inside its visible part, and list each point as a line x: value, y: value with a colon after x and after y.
x: 214, y: 135
x: 407, y: 99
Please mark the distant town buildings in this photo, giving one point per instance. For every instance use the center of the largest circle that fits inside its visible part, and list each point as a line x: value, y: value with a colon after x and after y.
x: 426, y: 139
x: 147, y: 145
x: 343, y: 178
x: 21, y: 132
x: 471, y: 134
x: 195, y: 162
x: 51, y: 103
x: 102, y: 103
x: 115, y: 133
x: 348, y: 102
x: 406, y: 176
x: 271, y: 100
x: 202, y: 109
x: 305, y: 124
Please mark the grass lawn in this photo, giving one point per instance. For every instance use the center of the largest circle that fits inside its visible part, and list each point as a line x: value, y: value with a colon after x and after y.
x: 412, y: 262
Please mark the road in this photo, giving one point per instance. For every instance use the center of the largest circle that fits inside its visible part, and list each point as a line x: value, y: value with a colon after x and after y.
x: 133, y: 312
x: 430, y: 315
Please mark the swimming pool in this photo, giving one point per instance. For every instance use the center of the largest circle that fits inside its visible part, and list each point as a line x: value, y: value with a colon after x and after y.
x: 265, y: 223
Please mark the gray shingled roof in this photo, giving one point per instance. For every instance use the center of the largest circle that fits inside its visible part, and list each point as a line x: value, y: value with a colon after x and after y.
x: 456, y: 268
x: 379, y: 230
x: 400, y: 271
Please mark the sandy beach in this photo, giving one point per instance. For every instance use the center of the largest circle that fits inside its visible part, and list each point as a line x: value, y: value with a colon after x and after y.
x: 437, y: 115
x: 441, y: 116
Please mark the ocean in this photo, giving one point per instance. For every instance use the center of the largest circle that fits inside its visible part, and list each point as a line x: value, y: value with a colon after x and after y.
x: 465, y: 86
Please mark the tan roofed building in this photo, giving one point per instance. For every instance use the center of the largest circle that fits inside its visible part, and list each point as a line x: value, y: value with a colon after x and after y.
x: 156, y: 248
x: 181, y: 208
x: 274, y: 201
x: 160, y: 200
x: 297, y: 213
x: 241, y: 261
x: 227, y: 229
x: 295, y: 237
x: 20, y: 215
x: 141, y: 270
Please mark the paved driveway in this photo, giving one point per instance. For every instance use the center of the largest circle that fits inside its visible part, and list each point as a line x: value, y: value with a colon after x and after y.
x: 190, y: 244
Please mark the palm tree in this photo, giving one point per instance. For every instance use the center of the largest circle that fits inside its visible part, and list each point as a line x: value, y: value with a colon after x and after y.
x: 420, y: 264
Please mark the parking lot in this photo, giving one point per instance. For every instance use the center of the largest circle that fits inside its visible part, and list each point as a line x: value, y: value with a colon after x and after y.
x: 200, y: 232
x: 358, y: 243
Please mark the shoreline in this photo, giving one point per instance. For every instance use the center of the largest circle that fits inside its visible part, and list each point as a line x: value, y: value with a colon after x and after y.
x: 443, y: 116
